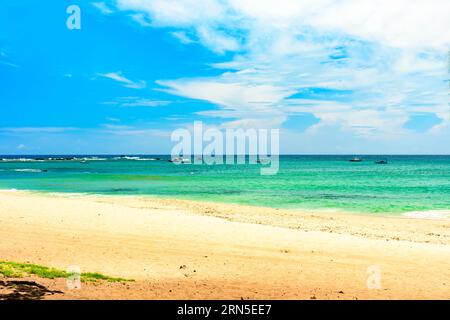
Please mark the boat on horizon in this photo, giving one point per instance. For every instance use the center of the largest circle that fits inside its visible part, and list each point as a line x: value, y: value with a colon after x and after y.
x: 180, y: 160
x: 356, y: 159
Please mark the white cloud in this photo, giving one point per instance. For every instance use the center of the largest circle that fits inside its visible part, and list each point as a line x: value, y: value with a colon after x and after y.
x: 112, y: 119
x: 10, y: 64
x: 249, y: 102
x: 5, y: 61
x: 400, y: 23
x: 216, y: 40
x: 390, y: 55
x: 116, y: 127
x: 141, y: 19
x: 37, y: 129
x: 117, y: 76
x: 412, y: 24
x: 182, y: 37
x: 183, y: 13
x: 144, y: 133
x: 137, y: 102
x: 103, y: 7
x: 201, y: 15
x: 227, y: 94
x: 145, y: 103
x: 98, y: 140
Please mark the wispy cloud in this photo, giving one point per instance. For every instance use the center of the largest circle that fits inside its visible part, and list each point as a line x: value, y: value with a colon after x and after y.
x: 118, y: 76
x: 37, y: 129
x: 9, y: 64
x: 182, y: 37
x: 286, y: 47
x: 203, y: 16
x: 137, y: 102
x: 135, y: 131
x: 244, y: 100
x: 4, y: 59
x: 141, y: 19
x: 145, y: 103
x: 103, y: 7
x: 112, y: 119
x: 116, y: 127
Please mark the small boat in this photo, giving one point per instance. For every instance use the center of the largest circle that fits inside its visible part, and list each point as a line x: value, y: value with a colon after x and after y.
x: 83, y: 161
x: 180, y: 160
x: 356, y: 159
x: 381, y: 162
x: 263, y: 161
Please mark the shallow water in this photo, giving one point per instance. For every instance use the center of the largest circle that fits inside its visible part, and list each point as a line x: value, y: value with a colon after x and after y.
x: 405, y: 184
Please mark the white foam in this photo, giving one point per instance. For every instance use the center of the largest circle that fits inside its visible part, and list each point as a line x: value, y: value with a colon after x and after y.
x: 90, y: 159
x: 430, y: 214
x: 18, y: 160
x: 133, y: 158
x: 27, y: 170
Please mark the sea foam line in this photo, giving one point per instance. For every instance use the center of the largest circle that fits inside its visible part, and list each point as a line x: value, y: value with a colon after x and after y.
x: 430, y: 214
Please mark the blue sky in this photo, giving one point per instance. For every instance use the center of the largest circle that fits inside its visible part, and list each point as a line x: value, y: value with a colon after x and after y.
x: 334, y: 76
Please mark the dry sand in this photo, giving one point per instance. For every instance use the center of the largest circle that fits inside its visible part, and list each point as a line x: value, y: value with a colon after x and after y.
x: 178, y: 249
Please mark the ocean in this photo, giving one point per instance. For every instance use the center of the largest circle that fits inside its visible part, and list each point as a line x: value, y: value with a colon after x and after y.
x: 405, y: 185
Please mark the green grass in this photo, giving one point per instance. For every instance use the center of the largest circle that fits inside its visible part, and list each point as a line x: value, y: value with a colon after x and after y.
x: 20, y: 270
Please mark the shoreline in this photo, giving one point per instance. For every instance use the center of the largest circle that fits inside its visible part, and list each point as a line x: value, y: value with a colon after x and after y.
x: 431, y: 214
x: 180, y: 249
x: 340, y: 222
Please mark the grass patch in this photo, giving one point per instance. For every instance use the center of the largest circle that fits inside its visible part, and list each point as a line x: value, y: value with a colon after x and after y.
x: 20, y: 270
x: 92, y: 277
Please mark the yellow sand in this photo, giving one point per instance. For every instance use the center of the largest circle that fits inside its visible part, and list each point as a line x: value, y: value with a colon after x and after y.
x: 185, y: 249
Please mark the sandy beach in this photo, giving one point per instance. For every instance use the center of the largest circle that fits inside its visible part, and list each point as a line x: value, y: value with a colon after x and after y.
x: 179, y: 249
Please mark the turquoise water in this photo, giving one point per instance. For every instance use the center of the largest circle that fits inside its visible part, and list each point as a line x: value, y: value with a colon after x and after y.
x: 406, y: 183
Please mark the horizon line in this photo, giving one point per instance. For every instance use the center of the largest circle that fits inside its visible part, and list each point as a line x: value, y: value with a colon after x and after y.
x: 197, y: 155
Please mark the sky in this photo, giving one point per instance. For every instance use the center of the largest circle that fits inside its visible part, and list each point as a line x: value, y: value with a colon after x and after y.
x: 336, y: 77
